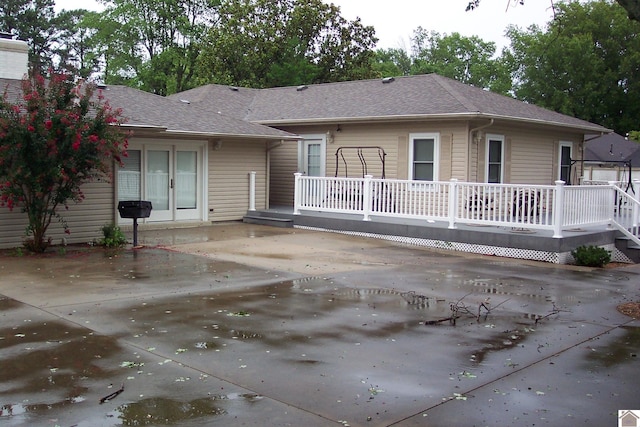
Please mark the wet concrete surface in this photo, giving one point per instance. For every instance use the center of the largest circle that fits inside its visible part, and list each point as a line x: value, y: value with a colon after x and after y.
x: 250, y: 325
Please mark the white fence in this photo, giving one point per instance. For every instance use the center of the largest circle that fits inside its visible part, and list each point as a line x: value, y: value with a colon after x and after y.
x: 548, y: 207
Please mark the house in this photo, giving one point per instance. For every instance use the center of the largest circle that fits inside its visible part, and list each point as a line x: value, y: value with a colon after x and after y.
x: 213, y: 152
x: 430, y: 127
x: 193, y: 163
x: 612, y: 157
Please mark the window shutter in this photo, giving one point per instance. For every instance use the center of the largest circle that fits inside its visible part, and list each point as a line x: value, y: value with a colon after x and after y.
x: 507, y: 160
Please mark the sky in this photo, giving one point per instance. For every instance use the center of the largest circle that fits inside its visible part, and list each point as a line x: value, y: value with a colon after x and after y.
x: 395, y: 20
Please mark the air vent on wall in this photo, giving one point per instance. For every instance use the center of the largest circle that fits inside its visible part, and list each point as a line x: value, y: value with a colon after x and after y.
x: 301, y: 88
x: 388, y: 79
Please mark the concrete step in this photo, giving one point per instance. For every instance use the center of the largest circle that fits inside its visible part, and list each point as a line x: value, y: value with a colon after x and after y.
x: 268, y: 220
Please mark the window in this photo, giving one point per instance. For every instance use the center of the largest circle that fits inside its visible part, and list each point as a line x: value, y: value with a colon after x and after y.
x: 564, y: 162
x: 424, y: 151
x: 495, y: 159
x: 129, y: 177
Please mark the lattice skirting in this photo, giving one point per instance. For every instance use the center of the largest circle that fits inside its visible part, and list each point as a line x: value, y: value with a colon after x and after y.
x: 551, y: 257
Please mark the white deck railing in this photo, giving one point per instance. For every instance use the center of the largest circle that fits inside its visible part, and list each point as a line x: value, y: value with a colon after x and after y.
x: 547, y: 207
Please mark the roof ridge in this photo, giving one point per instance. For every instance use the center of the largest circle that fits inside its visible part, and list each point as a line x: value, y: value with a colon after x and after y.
x: 445, y: 83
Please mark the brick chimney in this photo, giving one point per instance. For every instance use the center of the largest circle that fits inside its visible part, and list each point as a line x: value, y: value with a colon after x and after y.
x: 14, y: 57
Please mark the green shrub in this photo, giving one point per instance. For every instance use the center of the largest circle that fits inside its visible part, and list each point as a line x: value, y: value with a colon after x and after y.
x: 113, y: 236
x: 591, y: 256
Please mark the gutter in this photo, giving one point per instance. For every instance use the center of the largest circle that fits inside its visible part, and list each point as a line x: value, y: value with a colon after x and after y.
x: 413, y: 117
x: 234, y: 135
x: 222, y: 135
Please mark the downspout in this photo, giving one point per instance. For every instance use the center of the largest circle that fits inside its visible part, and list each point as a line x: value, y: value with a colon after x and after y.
x: 470, y: 143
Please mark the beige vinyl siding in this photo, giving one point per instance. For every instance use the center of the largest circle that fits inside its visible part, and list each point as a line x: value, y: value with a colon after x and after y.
x: 228, y: 184
x: 531, y: 160
x: 284, y: 163
x: 534, y: 156
x: 530, y: 153
x: 84, y: 219
x: 12, y: 227
x: 392, y: 137
x: 459, y: 153
x: 530, y: 156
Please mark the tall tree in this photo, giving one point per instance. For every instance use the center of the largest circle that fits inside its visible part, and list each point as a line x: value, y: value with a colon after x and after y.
x: 586, y: 64
x: 75, y: 46
x: 631, y: 6
x: 469, y: 60
x: 153, y: 45
x: 264, y: 43
x: 34, y: 22
x: 392, y: 62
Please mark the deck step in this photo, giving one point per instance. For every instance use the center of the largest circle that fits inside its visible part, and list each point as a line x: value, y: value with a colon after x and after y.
x: 628, y: 247
x: 268, y: 220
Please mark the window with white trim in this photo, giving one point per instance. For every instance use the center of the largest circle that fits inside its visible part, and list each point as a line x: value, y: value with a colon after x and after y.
x: 494, y: 172
x: 424, y: 154
x: 564, y: 161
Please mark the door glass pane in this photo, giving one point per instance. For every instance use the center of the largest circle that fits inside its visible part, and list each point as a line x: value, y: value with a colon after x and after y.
x: 129, y: 177
x: 158, y: 179
x: 314, y: 160
x: 186, y: 180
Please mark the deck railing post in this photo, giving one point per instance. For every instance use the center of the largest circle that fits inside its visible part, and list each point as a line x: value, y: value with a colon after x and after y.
x: 453, y: 202
x: 252, y: 191
x: 635, y: 213
x: 617, y: 205
x: 296, y: 193
x: 366, y: 197
x: 558, y: 209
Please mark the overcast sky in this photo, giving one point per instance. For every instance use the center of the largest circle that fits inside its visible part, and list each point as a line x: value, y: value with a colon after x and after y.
x: 395, y: 20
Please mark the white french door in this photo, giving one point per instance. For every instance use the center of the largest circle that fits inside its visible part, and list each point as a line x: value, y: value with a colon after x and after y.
x: 159, y: 183
x: 170, y: 177
x: 187, y: 185
x: 311, y: 161
x: 313, y: 155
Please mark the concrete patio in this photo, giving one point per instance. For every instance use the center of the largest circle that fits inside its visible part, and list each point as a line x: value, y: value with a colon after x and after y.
x: 241, y: 324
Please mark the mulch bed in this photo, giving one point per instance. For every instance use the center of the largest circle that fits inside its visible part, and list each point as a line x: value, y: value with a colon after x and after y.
x: 631, y: 309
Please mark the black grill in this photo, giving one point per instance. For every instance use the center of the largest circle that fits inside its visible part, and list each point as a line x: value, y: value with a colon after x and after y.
x: 134, y: 209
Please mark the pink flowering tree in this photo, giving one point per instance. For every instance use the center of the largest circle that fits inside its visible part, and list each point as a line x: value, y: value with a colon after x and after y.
x: 54, y: 137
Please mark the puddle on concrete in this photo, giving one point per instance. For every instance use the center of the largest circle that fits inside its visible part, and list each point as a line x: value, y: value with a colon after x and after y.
x: 146, y: 265
x: 625, y: 349
x: 52, y: 359
x: 8, y: 303
x: 313, y: 311
x: 165, y: 411
x: 15, y: 410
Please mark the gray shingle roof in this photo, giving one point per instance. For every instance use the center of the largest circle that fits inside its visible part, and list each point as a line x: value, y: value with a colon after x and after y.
x: 612, y: 148
x: 422, y: 96
x: 143, y: 109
